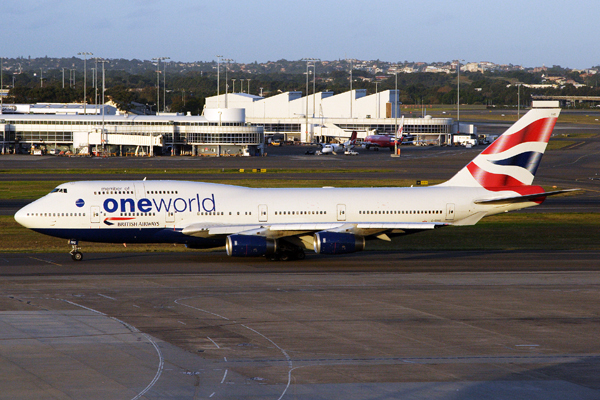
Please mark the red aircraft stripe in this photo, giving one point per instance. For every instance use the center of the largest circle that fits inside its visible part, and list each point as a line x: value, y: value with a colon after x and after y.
x: 537, y: 131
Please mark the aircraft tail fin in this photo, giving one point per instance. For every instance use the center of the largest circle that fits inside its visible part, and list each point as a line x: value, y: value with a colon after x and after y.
x: 511, y: 161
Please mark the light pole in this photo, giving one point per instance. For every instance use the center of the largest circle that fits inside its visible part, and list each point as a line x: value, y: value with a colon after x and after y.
x: 233, y: 86
x: 242, y: 85
x: 165, y: 86
x: 314, y: 93
x: 102, y: 139
x: 376, y: 99
x: 248, y: 85
x: 158, y: 81
x: 84, y: 54
x: 228, y: 60
x: 396, y: 106
x: 63, y: 76
x: 96, y: 85
x: 308, y: 136
x: 218, y: 78
x: 41, y: 78
x: 351, y: 67
x: 95, y: 91
x: 396, y: 154
x: 458, y: 97
x: 518, y: 101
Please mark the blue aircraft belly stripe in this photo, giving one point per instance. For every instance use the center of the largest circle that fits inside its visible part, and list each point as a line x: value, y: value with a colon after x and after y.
x: 134, y: 235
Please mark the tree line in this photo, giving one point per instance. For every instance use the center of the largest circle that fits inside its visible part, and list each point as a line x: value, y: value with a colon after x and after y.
x: 187, y: 91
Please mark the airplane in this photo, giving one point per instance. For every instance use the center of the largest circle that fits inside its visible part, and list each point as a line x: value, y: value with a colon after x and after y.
x: 335, y: 148
x: 281, y: 223
x: 380, y: 142
x: 387, y: 141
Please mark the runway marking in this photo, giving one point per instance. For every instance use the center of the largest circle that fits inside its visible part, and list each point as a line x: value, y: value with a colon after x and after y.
x: 199, y: 309
x: 288, y: 358
x: 224, y: 376
x: 107, y: 297
x: 213, y: 393
x: 46, y: 261
x: 133, y: 329
x: 577, y: 160
x: 527, y: 345
x: 213, y: 342
x: 183, y: 323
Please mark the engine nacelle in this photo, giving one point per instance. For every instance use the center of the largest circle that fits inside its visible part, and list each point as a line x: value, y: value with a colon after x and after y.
x: 337, y: 243
x: 249, y: 246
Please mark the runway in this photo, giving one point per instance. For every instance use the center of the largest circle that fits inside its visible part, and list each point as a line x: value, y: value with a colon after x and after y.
x: 411, y: 325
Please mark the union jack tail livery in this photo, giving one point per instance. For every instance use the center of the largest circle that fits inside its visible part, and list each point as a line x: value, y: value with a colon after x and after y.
x: 510, y: 162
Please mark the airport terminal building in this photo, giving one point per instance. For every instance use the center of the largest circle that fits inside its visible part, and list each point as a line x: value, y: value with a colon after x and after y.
x: 325, y: 116
x: 216, y: 133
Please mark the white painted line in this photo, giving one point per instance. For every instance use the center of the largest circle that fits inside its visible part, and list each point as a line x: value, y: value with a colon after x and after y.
x: 133, y: 329
x: 213, y: 393
x: 224, y: 376
x: 183, y: 323
x: 527, y: 345
x: 213, y: 342
x: 46, y: 261
x: 225, y: 358
x: 289, y: 359
x: 107, y: 297
x: 199, y: 309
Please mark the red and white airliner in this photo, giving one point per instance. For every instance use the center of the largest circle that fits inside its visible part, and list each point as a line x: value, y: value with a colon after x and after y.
x: 282, y: 223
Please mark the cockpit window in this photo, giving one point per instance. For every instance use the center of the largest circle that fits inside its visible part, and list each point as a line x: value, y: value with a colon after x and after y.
x: 59, y: 190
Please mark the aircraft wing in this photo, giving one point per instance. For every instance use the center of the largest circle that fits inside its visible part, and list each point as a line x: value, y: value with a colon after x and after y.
x: 292, y: 229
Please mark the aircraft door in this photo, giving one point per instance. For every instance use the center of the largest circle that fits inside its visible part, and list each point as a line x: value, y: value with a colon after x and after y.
x: 341, y: 212
x: 95, y: 215
x: 262, y: 213
x: 140, y: 190
x: 450, y: 211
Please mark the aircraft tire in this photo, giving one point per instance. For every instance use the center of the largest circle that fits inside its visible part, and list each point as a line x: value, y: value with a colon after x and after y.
x: 300, y: 255
x: 77, y: 256
x: 285, y: 256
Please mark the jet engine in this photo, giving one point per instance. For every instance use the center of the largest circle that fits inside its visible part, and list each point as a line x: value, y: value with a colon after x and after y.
x: 337, y: 243
x: 249, y: 246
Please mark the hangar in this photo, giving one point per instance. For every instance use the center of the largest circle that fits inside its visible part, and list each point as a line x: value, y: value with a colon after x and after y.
x: 325, y: 116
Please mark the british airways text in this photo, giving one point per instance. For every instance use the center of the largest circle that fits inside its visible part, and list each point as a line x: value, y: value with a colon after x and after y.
x: 194, y: 204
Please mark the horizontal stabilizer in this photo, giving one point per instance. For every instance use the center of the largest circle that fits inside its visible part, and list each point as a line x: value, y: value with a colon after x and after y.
x: 521, y: 199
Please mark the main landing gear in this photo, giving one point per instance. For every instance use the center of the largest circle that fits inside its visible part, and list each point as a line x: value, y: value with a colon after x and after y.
x: 76, y: 255
x: 287, y: 252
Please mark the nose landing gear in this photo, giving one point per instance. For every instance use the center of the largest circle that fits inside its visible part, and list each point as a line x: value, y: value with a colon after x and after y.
x: 76, y: 255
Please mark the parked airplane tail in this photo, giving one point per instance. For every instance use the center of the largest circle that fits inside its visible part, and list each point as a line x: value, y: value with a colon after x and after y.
x: 511, y: 161
x: 353, y: 137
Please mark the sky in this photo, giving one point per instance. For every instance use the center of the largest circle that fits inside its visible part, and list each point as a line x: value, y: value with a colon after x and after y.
x: 520, y: 32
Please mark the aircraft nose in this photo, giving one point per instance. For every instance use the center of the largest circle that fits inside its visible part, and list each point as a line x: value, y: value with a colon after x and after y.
x: 21, y: 216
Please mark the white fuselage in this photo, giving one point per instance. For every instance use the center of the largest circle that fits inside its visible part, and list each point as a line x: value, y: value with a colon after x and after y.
x: 157, y: 211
